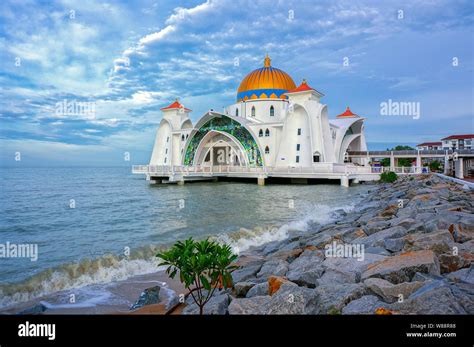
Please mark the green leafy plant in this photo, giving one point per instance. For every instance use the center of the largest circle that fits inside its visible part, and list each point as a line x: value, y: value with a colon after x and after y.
x: 203, y: 267
x: 388, y: 177
x: 435, y: 165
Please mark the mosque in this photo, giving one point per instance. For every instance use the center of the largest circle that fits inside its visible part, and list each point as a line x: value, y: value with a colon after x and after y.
x: 273, y: 126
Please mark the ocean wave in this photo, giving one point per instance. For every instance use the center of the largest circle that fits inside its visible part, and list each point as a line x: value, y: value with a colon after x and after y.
x: 105, y: 269
x: 312, y: 217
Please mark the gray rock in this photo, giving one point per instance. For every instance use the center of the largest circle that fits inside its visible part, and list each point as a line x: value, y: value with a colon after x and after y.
x: 245, y: 273
x: 394, y: 245
x: 374, y: 227
x: 379, y: 238
x: 242, y: 288
x: 348, y: 269
x: 464, y: 294
x: 305, y: 270
x: 364, y: 305
x: 148, y: 297
x: 333, y: 297
x: 217, y: 305
x: 273, y: 267
x: 464, y: 275
x: 260, y: 289
x: 36, y: 309
x: 402, y: 267
x: 392, y: 292
x: 377, y: 250
x: 402, y: 222
x: 249, y: 306
x: 290, y: 299
x: 430, y: 299
x: 320, y: 240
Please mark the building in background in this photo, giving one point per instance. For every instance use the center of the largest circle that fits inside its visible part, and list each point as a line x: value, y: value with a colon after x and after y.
x: 458, y: 142
x: 429, y: 146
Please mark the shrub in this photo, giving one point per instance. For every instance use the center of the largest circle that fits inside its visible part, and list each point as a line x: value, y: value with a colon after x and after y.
x: 435, y: 165
x: 203, y: 267
x: 388, y: 177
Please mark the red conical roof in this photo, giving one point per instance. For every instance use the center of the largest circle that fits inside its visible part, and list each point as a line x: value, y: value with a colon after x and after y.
x: 347, y: 113
x: 303, y: 87
x: 175, y: 104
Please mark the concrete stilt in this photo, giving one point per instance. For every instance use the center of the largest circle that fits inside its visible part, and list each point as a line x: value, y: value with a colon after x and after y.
x: 261, y: 181
x: 181, y: 183
x: 345, y: 181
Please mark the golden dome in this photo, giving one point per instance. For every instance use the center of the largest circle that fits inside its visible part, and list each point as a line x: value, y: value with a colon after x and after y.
x: 266, y: 82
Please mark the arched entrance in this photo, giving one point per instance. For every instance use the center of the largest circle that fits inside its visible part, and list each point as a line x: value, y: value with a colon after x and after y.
x: 224, y: 139
x: 219, y: 148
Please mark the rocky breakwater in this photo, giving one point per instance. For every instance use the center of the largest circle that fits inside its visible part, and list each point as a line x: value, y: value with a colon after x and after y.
x: 406, y: 249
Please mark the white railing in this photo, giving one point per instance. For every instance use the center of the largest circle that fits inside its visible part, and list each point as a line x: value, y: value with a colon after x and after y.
x: 317, y: 168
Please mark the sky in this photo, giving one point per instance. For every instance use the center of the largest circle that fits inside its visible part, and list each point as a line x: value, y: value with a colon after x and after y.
x: 82, y: 82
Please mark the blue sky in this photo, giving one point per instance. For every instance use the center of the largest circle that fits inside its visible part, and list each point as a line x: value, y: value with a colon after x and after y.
x: 131, y: 58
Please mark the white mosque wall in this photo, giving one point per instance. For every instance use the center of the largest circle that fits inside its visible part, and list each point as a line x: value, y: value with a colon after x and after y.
x: 295, y: 146
x: 162, y: 144
x: 262, y: 110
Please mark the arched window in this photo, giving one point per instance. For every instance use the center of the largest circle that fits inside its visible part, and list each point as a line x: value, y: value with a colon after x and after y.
x: 267, y: 150
x: 316, y: 157
x: 267, y: 133
x: 260, y: 133
x: 236, y: 112
x: 182, y: 137
x: 187, y: 136
x: 253, y: 111
x: 272, y: 111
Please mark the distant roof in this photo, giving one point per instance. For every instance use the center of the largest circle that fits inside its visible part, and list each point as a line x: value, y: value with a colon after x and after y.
x: 429, y: 144
x: 347, y: 113
x: 459, y: 137
x: 175, y: 104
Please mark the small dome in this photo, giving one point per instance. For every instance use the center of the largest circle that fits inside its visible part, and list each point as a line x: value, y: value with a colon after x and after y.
x: 266, y: 82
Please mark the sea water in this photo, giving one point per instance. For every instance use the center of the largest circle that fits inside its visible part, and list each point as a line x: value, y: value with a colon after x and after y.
x: 101, y: 225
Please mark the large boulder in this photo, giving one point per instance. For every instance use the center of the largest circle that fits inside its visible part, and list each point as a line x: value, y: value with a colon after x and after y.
x: 341, y: 270
x: 392, y: 292
x: 241, y: 288
x: 291, y: 299
x: 440, y: 241
x: 364, y: 305
x: 275, y: 267
x: 246, y: 273
x: 275, y: 282
x: 378, y: 239
x: 402, y: 267
x: 305, y: 270
x: 464, y: 275
x: 450, y: 262
x: 260, y: 289
x: 217, y: 305
x: 433, y: 298
x: 249, y: 306
x: 333, y: 297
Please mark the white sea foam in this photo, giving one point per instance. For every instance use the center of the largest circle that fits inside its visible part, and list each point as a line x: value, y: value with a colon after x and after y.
x: 76, y: 276
x: 244, y: 239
